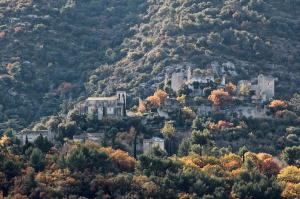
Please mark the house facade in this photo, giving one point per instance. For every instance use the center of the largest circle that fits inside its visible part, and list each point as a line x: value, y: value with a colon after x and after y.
x: 104, y: 106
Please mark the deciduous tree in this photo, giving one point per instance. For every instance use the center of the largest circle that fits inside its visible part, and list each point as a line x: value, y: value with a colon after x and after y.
x: 230, y: 88
x: 162, y: 95
x: 244, y: 91
x: 220, y: 98
x: 153, y: 102
x: 277, y: 105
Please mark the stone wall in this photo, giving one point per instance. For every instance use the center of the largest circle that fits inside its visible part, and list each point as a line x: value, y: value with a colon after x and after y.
x: 149, y: 143
x: 177, y: 81
x: 205, y: 110
x: 247, y: 111
x: 32, y: 135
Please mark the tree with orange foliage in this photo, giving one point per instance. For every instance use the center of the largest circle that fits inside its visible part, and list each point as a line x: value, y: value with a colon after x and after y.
x: 277, y: 105
x: 162, y: 95
x: 230, y: 88
x: 221, y: 125
x: 121, y: 160
x: 220, y: 97
x: 152, y: 102
x: 64, y: 88
x: 268, y: 165
x: 141, y: 108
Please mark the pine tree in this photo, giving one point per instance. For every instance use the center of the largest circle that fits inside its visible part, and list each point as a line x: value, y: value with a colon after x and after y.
x: 30, y: 182
x: 55, y: 113
x: 104, y: 141
x: 180, y: 117
x: 184, y: 147
x: 124, y: 109
x: 26, y: 140
x: 36, y: 160
x: 242, y: 152
x: 61, y: 162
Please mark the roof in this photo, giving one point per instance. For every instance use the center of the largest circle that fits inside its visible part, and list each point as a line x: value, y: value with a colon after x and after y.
x: 95, y: 134
x: 101, y: 98
x: 155, y: 139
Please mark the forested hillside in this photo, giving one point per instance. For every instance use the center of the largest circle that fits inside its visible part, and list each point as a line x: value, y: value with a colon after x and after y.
x: 53, y: 52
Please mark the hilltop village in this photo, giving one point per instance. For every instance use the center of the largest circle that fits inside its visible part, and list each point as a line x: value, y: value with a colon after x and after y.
x: 195, y: 93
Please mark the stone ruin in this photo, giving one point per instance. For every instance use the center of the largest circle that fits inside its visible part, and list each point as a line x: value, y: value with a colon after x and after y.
x: 264, y: 90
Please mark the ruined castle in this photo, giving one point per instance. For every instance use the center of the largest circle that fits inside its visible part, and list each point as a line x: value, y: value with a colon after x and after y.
x: 264, y: 90
x: 178, y: 79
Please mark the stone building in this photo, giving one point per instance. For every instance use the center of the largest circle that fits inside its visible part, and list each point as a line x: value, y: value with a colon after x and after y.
x: 264, y: 90
x: 149, y: 143
x: 177, y: 81
x: 32, y: 135
x: 108, y: 106
x: 88, y: 136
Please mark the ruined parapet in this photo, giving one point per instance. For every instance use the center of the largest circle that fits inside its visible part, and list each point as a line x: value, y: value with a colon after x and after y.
x: 177, y: 81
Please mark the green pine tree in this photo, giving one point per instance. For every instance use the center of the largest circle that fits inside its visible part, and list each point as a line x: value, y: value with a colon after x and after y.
x: 124, y: 109
x: 30, y: 181
x: 242, y: 152
x: 55, y: 113
x: 184, y: 147
x: 180, y: 118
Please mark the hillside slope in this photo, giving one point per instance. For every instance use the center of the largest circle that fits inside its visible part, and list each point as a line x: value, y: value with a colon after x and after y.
x: 56, y: 51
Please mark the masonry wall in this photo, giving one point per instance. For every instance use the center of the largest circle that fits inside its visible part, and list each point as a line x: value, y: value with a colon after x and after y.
x: 149, y: 144
x: 177, y: 81
x: 32, y: 135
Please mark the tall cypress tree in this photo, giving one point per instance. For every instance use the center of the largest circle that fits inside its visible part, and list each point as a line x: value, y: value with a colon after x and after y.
x: 180, y: 117
x: 55, y: 113
x: 124, y: 109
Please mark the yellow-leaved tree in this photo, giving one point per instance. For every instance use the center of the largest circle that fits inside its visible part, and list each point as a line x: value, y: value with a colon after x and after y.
x: 290, y: 177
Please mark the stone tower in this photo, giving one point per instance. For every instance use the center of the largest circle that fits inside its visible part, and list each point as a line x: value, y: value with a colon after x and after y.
x: 121, y: 96
x: 177, y: 81
x: 265, y: 87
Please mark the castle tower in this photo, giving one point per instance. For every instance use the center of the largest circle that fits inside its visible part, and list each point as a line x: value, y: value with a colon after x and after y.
x: 121, y: 96
x: 265, y: 87
x: 177, y: 81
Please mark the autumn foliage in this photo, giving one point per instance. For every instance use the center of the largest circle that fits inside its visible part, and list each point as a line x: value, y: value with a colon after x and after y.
x: 220, y: 97
x: 152, y: 102
x: 277, y: 105
x: 230, y: 89
x: 268, y: 166
x: 64, y: 88
x: 221, y: 125
x: 162, y: 95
